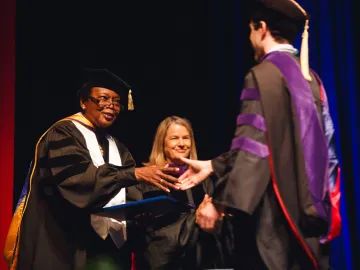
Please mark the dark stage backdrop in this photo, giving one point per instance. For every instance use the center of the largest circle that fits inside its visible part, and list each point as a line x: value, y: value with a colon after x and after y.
x: 183, y: 58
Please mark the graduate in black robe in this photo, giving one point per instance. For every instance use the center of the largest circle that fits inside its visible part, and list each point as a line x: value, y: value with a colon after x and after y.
x: 280, y: 180
x: 174, y: 241
x: 77, y: 169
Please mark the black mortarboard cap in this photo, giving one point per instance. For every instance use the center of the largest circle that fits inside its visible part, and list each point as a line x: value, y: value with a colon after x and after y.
x: 106, y: 79
x: 288, y: 8
x: 292, y: 10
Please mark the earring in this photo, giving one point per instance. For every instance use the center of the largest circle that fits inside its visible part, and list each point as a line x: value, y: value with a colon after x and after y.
x: 83, y: 107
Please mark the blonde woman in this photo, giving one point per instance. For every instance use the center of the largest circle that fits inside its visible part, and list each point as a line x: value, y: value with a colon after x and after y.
x: 174, y: 241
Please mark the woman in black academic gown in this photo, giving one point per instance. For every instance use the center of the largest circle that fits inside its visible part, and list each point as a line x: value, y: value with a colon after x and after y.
x: 77, y: 169
x: 174, y: 241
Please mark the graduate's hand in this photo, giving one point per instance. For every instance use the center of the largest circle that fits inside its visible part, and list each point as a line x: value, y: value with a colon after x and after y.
x: 209, y: 217
x: 197, y: 172
x: 158, y: 177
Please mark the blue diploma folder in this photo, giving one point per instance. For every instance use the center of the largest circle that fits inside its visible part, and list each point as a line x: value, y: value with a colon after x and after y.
x: 156, y: 206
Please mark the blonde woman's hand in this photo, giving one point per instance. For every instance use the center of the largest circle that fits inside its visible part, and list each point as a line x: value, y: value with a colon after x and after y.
x: 205, y: 201
x: 210, y: 216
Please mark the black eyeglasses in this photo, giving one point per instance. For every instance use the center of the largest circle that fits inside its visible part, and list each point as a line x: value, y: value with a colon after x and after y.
x: 104, y: 102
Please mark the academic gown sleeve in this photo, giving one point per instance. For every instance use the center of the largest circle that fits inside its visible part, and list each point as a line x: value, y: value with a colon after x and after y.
x: 243, y: 173
x: 72, y: 174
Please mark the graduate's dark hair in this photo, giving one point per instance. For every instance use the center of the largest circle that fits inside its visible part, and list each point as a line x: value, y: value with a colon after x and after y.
x: 282, y: 28
x: 85, y: 90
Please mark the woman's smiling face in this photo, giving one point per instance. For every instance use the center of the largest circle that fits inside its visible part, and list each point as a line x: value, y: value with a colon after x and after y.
x: 177, y: 143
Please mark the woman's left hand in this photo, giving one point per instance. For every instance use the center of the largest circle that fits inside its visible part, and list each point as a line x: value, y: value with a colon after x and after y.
x: 206, y: 200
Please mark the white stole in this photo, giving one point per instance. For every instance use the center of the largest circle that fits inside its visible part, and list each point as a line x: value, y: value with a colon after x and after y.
x: 102, y: 225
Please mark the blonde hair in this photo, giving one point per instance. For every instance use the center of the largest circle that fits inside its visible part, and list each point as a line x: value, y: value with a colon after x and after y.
x: 157, y: 156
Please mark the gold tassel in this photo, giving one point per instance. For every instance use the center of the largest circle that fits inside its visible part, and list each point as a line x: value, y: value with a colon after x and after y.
x: 130, y: 102
x: 304, y: 53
